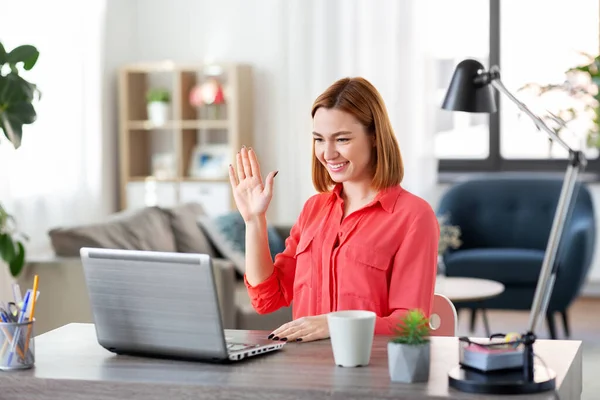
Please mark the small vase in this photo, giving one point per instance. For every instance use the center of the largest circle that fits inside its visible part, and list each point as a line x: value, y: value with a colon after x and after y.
x: 158, y: 112
x: 408, y: 363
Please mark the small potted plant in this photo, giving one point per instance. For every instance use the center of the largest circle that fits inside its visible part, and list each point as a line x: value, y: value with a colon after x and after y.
x: 158, y: 105
x: 449, y: 239
x: 409, y: 349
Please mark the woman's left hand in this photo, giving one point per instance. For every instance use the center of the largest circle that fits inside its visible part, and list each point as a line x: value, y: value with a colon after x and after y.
x: 303, y: 329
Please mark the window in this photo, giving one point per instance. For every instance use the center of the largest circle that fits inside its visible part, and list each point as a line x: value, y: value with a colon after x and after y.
x: 454, y: 42
x: 532, y: 43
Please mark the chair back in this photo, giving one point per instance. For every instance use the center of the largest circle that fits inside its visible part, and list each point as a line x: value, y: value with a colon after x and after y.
x: 509, y: 210
x: 443, y: 319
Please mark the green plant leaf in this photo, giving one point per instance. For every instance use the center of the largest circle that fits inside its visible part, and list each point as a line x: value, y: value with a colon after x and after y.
x: 14, y: 88
x: 13, y: 119
x: 413, y: 328
x: 27, y: 54
x: 3, y: 56
x: 7, y: 248
x: 16, y: 265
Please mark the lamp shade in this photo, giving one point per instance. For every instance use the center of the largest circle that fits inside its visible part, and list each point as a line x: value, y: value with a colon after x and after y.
x: 465, y: 94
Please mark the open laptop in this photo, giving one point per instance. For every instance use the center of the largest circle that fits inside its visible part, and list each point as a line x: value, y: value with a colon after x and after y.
x: 160, y: 304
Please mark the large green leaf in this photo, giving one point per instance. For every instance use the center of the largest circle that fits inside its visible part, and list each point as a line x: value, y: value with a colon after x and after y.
x: 13, y: 119
x: 7, y: 248
x: 13, y: 88
x: 16, y: 265
x: 3, y: 58
x: 26, y: 54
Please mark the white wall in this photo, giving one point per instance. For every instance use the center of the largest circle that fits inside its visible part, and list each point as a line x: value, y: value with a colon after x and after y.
x: 120, y: 43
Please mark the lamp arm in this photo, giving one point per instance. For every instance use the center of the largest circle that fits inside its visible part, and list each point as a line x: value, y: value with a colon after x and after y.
x: 497, y: 83
x: 577, y: 163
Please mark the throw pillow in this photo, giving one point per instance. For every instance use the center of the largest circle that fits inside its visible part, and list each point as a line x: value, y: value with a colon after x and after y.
x: 189, y: 238
x: 228, y: 234
x: 144, y: 229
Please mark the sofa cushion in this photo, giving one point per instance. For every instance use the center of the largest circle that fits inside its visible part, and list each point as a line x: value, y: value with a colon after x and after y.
x: 145, y: 229
x: 228, y: 234
x: 189, y: 238
x: 508, y: 266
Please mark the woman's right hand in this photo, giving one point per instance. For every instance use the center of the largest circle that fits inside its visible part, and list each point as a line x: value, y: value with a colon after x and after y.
x: 252, y: 197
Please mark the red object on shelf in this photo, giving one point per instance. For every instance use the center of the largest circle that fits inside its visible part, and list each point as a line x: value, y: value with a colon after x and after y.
x: 219, y: 96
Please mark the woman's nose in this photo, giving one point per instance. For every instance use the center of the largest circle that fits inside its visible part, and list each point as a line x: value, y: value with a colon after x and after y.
x: 330, y: 151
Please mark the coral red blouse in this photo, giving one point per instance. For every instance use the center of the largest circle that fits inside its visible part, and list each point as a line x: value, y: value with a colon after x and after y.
x: 380, y: 258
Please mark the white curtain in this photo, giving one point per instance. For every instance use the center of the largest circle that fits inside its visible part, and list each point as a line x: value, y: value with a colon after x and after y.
x: 56, y: 177
x: 382, y: 41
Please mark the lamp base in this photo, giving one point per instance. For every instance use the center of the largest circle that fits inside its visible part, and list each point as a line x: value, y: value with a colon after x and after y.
x: 502, y: 382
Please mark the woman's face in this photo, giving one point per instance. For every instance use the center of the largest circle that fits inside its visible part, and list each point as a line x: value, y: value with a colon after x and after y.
x: 343, y: 146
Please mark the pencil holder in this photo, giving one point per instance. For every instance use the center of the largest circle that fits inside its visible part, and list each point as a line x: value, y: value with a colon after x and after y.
x: 17, y: 345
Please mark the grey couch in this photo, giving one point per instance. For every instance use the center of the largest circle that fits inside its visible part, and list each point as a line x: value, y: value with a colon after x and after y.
x: 64, y: 298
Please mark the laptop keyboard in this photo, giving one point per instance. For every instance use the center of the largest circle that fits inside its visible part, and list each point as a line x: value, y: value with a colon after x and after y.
x: 240, y: 346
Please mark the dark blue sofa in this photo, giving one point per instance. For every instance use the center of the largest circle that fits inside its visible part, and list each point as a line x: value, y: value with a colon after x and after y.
x: 505, y: 221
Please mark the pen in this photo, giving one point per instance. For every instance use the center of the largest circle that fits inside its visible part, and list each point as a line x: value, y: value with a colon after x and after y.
x: 17, y: 294
x: 18, y: 330
x: 9, y: 338
x: 35, y: 290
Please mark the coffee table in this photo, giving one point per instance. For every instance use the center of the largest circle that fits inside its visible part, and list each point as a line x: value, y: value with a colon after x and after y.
x: 461, y: 289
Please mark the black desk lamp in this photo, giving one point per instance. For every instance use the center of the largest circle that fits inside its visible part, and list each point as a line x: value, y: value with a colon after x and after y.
x: 471, y: 91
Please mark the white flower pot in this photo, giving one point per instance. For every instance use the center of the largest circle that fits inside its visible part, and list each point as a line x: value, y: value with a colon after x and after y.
x: 408, y: 363
x: 158, y: 112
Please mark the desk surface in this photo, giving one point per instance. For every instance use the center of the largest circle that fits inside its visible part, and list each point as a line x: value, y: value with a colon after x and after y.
x: 70, y: 364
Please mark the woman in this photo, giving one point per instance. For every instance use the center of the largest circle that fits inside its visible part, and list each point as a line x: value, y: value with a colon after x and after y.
x: 363, y: 242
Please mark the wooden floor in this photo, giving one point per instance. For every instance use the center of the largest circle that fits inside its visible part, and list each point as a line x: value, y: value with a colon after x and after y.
x: 584, y: 321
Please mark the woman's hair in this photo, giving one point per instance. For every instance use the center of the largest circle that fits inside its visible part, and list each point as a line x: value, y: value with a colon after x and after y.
x: 358, y: 97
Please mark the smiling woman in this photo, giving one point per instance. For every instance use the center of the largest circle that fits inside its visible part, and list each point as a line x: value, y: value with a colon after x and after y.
x: 362, y: 243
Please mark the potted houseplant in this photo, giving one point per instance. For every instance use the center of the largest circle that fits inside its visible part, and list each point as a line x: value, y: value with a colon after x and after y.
x: 16, y: 109
x: 449, y: 239
x: 580, y: 104
x: 158, y: 100
x: 409, y: 349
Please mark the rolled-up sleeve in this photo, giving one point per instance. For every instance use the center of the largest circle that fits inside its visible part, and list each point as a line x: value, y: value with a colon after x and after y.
x: 278, y: 289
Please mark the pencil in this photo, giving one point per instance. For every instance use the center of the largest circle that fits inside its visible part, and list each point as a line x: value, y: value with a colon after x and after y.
x: 34, y: 293
x: 9, y: 340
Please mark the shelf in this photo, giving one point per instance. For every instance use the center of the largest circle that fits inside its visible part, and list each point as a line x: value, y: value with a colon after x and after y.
x: 148, y: 126
x: 205, y: 124
x: 155, y: 160
x: 212, y: 180
x: 151, y: 178
x: 191, y: 124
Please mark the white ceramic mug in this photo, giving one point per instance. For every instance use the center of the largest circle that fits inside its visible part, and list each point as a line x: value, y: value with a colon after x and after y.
x: 351, y: 335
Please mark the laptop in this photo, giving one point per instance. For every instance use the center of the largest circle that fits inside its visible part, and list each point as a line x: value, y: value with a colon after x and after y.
x: 160, y: 304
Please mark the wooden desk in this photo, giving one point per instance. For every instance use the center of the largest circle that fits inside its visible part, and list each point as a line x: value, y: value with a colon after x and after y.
x: 71, y: 365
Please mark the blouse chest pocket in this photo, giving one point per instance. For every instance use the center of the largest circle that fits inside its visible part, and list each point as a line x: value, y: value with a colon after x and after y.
x: 305, y: 262
x: 364, y: 273
x: 368, y: 257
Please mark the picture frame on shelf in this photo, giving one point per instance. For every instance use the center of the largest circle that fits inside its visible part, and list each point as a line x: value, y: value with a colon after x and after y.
x: 210, y: 161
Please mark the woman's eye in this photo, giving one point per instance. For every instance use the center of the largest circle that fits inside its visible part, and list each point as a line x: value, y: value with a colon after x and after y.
x: 317, y: 139
x: 343, y: 140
